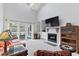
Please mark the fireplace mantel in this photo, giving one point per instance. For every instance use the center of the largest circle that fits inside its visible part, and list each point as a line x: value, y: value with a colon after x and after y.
x: 52, y: 30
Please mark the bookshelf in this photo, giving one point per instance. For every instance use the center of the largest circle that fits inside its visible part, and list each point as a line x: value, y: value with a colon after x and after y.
x: 69, y: 36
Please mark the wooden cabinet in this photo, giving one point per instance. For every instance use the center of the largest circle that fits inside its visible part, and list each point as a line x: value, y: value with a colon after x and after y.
x: 70, y: 36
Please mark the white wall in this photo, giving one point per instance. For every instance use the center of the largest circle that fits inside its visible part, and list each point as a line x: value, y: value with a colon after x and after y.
x: 1, y: 17
x: 67, y: 12
x: 20, y: 12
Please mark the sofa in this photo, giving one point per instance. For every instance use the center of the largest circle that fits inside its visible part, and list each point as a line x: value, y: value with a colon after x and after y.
x: 52, y: 53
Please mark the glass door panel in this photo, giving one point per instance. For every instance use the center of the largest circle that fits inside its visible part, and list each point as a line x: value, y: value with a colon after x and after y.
x: 22, y: 31
x: 30, y: 31
x: 13, y: 28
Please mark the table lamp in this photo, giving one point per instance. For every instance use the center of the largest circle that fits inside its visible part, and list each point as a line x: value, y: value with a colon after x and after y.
x: 5, y: 36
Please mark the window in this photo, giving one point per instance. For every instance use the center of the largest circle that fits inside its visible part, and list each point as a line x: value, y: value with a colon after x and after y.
x: 21, y: 30
x: 13, y: 28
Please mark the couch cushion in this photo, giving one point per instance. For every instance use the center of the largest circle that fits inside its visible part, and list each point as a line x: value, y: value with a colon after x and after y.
x: 52, y: 53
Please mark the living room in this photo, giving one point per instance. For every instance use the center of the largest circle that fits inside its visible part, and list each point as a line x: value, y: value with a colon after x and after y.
x: 66, y: 15
x: 30, y: 26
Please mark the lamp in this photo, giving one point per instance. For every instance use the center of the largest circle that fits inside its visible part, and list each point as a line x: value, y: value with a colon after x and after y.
x: 5, y: 36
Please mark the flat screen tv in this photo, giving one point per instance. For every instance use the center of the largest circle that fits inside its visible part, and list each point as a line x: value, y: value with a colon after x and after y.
x: 54, y: 21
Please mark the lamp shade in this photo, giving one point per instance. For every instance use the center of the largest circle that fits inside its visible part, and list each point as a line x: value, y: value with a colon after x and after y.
x: 5, y: 35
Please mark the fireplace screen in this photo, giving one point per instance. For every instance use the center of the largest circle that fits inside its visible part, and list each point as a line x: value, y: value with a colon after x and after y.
x: 52, y: 38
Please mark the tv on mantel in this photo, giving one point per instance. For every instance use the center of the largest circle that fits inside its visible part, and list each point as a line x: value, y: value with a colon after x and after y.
x: 52, y: 22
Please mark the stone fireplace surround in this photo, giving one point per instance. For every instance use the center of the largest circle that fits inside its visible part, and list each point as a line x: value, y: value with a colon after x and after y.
x: 52, y: 30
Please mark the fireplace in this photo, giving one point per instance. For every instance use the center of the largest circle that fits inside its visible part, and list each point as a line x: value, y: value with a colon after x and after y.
x: 52, y: 37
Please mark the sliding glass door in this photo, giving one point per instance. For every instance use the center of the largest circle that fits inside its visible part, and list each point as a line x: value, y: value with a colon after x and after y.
x: 13, y: 28
x: 22, y: 30
x: 30, y: 31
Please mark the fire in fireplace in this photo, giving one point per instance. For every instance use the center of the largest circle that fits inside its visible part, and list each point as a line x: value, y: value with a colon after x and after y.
x: 52, y: 37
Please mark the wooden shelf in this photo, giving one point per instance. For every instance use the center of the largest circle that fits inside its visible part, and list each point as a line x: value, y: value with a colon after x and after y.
x: 69, y: 32
x: 64, y: 42
x: 66, y: 37
x: 72, y: 44
x: 69, y: 36
x: 68, y: 43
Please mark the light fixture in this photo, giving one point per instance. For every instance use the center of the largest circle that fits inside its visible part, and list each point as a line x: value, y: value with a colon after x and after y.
x: 30, y: 4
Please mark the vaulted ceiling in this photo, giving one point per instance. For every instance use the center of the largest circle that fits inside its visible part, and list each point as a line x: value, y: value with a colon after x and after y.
x: 35, y: 6
x: 22, y: 11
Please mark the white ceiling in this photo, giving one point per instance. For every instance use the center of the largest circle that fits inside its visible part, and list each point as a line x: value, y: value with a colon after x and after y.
x: 35, y: 6
x: 19, y: 11
x: 22, y: 11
